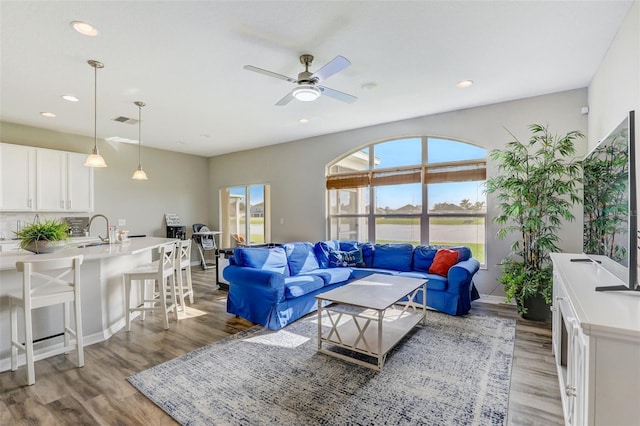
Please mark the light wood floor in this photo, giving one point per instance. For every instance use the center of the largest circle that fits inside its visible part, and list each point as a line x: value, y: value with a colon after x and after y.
x: 99, y: 394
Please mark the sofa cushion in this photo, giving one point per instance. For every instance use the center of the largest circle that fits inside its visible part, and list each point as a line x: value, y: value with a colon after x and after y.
x: 269, y: 259
x: 435, y: 282
x: 349, y: 245
x: 338, y: 258
x: 332, y: 275
x: 301, y: 257
x: 322, y: 249
x: 300, y: 285
x: 367, y: 254
x: 423, y: 257
x: 443, y: 260
x: 357, y: 273
x: 464, y: 252
x: 393, y: 256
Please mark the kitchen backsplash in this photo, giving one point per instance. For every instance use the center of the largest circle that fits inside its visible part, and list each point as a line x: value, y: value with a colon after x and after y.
x: 9, y: 222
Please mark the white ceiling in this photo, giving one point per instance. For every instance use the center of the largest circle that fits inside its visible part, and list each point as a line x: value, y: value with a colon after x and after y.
x: 185, y: 59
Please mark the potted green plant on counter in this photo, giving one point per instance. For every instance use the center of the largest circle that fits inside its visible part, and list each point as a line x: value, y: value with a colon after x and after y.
x: 43, y: 237
x: 536, y: 188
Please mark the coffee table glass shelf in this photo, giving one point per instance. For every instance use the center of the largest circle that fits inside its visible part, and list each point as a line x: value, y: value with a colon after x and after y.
x: 369, y: 317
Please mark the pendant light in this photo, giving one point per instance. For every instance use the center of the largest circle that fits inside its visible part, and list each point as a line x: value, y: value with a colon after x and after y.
x: 139, y: 174
x: 95, y: 159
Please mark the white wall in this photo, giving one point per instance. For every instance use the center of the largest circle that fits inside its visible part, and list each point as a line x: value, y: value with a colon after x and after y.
x: 296, y: 170
x: 177, y: 182
x: 615, y: 88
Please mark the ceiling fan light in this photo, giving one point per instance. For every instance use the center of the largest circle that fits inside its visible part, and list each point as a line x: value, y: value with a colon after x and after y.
x: 306, y: 93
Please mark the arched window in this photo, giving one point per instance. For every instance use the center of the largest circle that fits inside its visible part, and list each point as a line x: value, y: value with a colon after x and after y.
x: 419, y: 190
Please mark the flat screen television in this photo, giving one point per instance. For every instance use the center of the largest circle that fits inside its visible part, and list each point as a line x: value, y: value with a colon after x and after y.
x: 610, y: 235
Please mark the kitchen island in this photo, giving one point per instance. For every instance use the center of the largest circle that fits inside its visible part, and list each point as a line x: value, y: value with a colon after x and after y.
x: 102, y: 291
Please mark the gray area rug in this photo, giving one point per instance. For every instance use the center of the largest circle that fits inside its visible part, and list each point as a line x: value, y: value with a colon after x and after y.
x: 451, y: 371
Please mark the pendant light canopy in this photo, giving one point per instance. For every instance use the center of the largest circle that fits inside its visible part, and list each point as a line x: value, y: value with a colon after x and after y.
x: 139, y: 174
x: 95, y: 159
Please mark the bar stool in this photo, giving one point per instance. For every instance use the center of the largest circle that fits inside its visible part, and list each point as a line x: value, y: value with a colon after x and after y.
x: 46, y: 283
x: 183, y: 264
x: 162, y: 274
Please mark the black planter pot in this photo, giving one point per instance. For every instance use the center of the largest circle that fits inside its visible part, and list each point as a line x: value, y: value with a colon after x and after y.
x: 537, y: 309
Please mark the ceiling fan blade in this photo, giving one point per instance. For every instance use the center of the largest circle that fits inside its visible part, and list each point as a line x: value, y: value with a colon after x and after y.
x: 270, y: 73
x: 330, y: 68
x: 335, y: 94
x: 288, y: 98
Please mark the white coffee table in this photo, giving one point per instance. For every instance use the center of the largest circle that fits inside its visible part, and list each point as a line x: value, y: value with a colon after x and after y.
x: 367, y: 317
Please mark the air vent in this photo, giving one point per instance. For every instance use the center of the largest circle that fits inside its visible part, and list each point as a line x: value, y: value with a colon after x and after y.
x: 126, y: 120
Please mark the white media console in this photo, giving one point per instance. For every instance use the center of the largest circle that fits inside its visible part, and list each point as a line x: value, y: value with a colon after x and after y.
x: 596, y: 344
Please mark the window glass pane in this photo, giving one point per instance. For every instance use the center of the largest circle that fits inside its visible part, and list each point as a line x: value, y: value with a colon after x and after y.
x: 459, y: 231
x: 398, y: 230
x: 256, y: 211
x: 349, y: 228
x: 457, y: 197
x: 443, y: 150
x: 357, y: 161
x: 349, y: 201
x: 399, y: 199
x: 237, y: 210
x: 401, y: 152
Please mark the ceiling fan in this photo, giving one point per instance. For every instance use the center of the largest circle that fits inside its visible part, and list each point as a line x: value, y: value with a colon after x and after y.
x: 307, y: 87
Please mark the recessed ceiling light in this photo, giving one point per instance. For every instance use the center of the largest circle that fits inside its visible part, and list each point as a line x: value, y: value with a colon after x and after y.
x: 70, y: 98
x: 464, y: 84
x: 370, y: 85
x: 303, y: 120
x: 47, y: 114
x: 84, y: 28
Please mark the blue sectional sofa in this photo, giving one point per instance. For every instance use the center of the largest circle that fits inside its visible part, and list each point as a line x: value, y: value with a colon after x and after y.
x: 276, y: 286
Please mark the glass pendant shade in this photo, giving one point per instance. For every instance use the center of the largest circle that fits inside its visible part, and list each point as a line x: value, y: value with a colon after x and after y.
x: 139, y: 174
x: 95, y: 159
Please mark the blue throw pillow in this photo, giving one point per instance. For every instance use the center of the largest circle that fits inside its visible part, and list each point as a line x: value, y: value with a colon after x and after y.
x: 464, y: 252
x: 301, y: 257
x: 339, y: 258
x: 423, y: 257
x: 393, y: 256
x: 269, y: 259
x: 322, y: 249
x: 367, y: 254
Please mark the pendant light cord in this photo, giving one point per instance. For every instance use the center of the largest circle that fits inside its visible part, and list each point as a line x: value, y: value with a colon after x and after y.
x: 95, y: 108
x: 139, y: 133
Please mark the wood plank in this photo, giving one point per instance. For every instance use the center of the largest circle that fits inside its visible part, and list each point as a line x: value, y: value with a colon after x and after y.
x: 99, y: 394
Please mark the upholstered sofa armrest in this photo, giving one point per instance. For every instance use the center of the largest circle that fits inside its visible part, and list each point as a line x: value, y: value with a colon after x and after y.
x: 259, y: 279
x: 460, y: 275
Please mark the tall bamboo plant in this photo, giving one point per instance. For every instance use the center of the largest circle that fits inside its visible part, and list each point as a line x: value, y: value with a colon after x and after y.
x: 536, y: 187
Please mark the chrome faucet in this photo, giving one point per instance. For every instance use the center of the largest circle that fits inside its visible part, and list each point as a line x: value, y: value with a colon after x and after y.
x: 88, y: 227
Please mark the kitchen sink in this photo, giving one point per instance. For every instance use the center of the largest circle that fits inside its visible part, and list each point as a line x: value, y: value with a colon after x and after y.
x: 96, y: 244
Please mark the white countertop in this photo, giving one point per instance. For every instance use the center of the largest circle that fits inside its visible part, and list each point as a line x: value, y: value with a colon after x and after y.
x: 132, y: 246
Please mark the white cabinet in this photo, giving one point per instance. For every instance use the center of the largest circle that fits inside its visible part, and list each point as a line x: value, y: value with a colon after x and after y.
x: 596, y: 344
x: 17, y: 178
x: 51, y: 180
x: 79, y: 183
x: 37, y: 179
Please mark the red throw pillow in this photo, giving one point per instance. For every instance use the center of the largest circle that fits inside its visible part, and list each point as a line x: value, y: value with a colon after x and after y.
x: 443, y: 260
